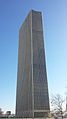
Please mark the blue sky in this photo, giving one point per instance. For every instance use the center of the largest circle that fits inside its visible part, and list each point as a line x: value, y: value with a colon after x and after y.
x: 12, y: 15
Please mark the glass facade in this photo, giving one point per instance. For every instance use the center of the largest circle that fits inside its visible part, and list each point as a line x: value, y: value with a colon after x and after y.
x: 32, y: 89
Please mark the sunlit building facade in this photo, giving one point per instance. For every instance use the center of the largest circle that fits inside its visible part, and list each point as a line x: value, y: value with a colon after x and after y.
x: 32, y: 99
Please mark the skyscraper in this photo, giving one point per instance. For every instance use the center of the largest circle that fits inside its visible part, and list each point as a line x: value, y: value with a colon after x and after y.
x: 32, y: 98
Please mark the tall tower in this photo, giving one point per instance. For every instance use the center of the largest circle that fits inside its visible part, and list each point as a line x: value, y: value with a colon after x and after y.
x: 32, y: 98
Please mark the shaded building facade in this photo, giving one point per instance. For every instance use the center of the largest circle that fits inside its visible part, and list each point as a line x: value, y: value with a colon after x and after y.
x: 32, y: 99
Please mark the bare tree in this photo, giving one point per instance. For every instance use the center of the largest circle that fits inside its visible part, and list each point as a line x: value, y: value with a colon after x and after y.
x: 1, y: 112
x: 57, y: 103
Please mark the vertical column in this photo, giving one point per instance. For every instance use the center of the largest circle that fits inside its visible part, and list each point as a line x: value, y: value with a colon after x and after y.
x: 32, y: 68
